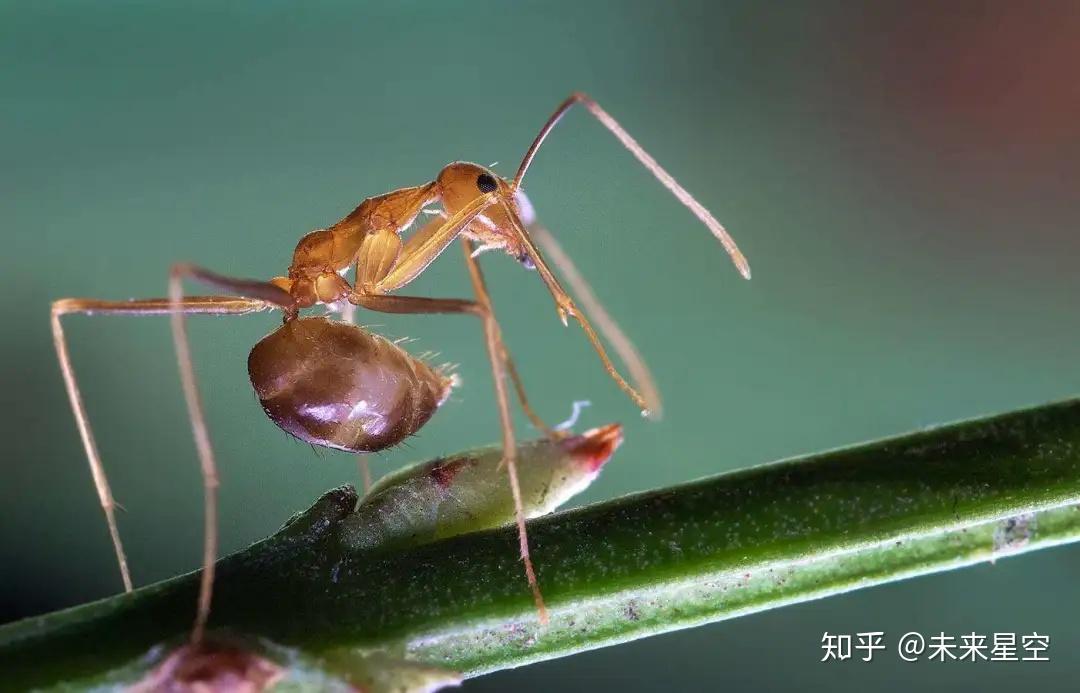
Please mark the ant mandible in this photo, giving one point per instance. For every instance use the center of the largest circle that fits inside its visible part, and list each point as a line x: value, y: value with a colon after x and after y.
x: 331, y: 383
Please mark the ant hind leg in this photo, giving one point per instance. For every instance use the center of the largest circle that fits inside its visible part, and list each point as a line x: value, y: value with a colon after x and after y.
x: 215, y: 305
x: 268, y: 293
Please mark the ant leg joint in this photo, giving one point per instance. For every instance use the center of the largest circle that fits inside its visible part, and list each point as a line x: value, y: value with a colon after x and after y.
x: 61, y: 307
x: 260, y: 290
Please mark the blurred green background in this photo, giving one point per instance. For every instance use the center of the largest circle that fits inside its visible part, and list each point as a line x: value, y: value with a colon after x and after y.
x: 903, y: 178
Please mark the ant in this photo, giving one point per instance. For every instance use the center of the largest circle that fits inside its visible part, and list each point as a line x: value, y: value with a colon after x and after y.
x: 333, y: 384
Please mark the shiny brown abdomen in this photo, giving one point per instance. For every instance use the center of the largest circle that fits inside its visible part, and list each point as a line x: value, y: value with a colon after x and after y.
x: 333, y: 384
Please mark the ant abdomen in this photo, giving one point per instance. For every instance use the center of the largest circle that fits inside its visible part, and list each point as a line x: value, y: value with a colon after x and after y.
x: 333, y: 384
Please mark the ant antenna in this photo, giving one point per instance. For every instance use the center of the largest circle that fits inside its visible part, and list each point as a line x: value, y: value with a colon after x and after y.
x: 647, y: 161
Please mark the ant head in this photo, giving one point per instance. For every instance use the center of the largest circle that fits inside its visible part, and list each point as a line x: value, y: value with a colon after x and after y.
x: 499, y: 225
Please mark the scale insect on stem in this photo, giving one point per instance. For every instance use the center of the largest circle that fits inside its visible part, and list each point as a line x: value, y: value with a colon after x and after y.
x: 317, y: 378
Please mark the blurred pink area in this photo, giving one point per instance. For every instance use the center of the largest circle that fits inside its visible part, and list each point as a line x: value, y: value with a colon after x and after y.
x: 999, y: 73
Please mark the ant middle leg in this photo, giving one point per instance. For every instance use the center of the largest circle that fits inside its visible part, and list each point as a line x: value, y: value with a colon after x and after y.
x: 498, y: 356
x: 423, y: 305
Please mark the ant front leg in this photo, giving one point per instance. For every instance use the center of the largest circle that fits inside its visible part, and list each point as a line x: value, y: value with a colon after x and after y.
x: 523, y: 400
x: 640, y: 374
x: 385, y: 264
x: 209, y: 305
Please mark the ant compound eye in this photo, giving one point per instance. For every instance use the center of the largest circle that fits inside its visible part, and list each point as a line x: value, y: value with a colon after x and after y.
x: 526, y: 261
x: 486, y: 183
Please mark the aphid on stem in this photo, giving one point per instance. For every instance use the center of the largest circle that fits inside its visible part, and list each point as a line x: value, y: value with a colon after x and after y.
x: 317, y: 378
x: 467, y: 492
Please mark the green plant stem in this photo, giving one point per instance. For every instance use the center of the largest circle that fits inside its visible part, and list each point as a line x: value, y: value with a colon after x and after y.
x: 615, y: 571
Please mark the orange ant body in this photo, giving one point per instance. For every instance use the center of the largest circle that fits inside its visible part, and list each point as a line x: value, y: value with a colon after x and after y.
x: 333, y: 384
